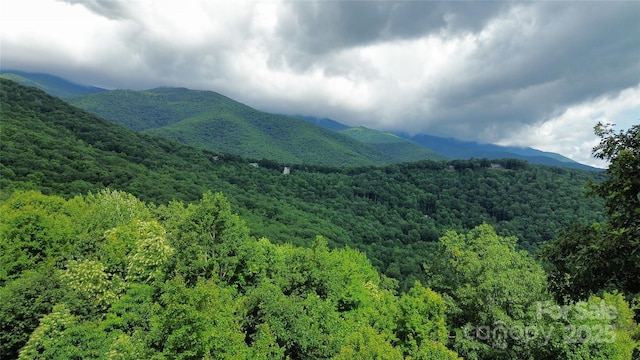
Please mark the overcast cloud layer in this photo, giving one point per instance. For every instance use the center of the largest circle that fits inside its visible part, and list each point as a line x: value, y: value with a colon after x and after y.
x: 537, y: 74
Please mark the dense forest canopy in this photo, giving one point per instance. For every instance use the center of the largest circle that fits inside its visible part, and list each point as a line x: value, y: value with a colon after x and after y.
x: 394, y: 214
x: 104, y: 275
x: 116, y: 244
x: 209, y: 120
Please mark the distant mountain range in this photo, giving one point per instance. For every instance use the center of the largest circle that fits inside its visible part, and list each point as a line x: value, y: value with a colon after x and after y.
x: 50, y: 84
x: 445, y: 148
x: 392, y: 145
x: 449, y: 148
x: 212, y: 121
x: 458, y: 149
x: 391, y: 212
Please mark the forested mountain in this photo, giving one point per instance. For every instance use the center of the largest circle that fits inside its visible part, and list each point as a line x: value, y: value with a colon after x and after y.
x: 393, y: 213
x: 50, y: 84
x: 458, y: 149
x: 212, y: 121
x: 324, y: 122
x: 215, y: 122
x: 392, y: 145
x: 101, y: 273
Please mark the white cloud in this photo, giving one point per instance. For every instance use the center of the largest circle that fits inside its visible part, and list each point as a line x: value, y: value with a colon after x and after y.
x: 47, y: 27
x: 571, y: 133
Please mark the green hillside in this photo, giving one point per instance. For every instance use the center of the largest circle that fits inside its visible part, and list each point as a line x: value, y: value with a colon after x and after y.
x: 394, y: 213
x: 392, y: 145
x: 212, y: 121
x: 104, y: 273
x: 140, y: 111
x: 446, y: 148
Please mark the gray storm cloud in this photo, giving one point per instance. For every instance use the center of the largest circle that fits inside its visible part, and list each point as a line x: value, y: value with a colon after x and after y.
x: 308, y: 30
x: 528, y: 72
x: 110, y: 9
x: 457, y: 68
x: 543, y: 58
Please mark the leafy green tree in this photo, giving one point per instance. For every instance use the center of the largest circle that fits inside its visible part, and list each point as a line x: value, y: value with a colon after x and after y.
x: 23, y: 302
x: 102, y: 211
x: 197, y: 322
x: 365, y: 343
x: 149, y: 261
x: 598, y: 328
x: 33, y: 227
x: 586, y: 259
x: 90, y: 289
x: 211, y: 238
x: 304, y: 327
x: 487, y: 283
x: 621, y: 192
x: 119, y: 243
x: 45, y: 340
x: 129, y: 322
x: 110, y: 208
x: 61, y: 335
x: 573, y: 261
x: 421, y: 331
x: 264, y: 344
x: 124, y: 347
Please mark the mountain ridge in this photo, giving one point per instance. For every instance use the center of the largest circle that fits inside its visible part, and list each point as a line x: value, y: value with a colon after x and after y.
x: 212, y: 121
x: 392, y: 144
x: 460, y: 149
x: 393, y: 213
x: 51, y: 84
x: 451, y: 148
x: 141, y: 113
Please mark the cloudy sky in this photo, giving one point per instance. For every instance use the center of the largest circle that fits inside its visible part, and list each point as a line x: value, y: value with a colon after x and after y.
x: 537, y: 74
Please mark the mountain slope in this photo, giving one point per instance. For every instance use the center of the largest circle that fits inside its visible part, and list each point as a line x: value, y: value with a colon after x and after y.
x: 146, y: 111
x: 392, y: 145
x: 458, y: 149
x: 212, y: 121
x: 393, y: 213
x: 324, y: 123
x: 50, y: 84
